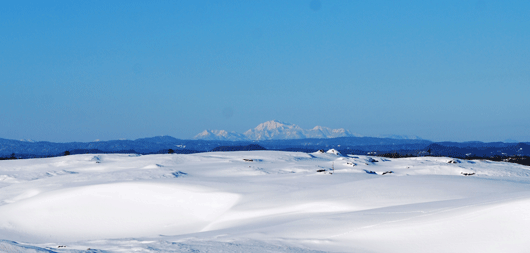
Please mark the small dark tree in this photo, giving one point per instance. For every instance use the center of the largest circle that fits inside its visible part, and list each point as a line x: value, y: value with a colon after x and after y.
x: 13, y: 157
x: 66, y: 153
x: 171, y: 151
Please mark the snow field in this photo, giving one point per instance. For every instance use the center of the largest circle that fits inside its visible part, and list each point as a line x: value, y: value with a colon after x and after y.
x: 277, y: 201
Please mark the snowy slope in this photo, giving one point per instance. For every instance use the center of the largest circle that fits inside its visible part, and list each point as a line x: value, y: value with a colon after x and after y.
x: 262, y: 201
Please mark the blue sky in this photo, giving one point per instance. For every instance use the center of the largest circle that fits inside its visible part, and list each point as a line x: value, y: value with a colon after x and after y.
x: 442, y: 70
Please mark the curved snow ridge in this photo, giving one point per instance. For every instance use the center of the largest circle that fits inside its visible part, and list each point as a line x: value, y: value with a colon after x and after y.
x: 24, y: 195
x: 459, y: 222
x: 11, y: 246
x: 236, y: 218
x: 115, y: 211
x: 8, y: 179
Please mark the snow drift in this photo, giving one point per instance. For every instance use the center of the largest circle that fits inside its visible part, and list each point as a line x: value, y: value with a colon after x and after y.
x: 263, y: 201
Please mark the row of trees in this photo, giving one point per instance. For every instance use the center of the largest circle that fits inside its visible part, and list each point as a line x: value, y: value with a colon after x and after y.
x: 11, y: 157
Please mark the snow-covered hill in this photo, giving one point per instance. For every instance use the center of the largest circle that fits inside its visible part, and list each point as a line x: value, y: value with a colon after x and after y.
x: 262, y: 201
x: 275, y: 130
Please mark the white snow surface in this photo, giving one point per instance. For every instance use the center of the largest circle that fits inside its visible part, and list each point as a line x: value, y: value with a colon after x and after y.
x: 275, y: 130
x: 270, y: 202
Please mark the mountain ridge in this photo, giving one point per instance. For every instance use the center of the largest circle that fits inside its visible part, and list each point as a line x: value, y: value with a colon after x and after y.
x: 275, y: 130
x: 165, y: 144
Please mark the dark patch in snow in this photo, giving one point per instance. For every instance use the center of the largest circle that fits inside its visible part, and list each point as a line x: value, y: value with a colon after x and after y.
x: 91, y: 251
x: 231, y: 247
x: 262, y: 170
x: 468, y: 174
x: 62, y: 172
x: 370, y: 172
x: 96, y: 159
x: 387, y: 172
x: 179, y: 174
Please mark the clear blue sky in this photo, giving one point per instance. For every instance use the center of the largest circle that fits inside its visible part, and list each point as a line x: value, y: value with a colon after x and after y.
x: 442, y: 70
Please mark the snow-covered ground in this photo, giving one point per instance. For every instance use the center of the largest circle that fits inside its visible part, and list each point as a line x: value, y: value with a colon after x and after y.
x: 262, y: 201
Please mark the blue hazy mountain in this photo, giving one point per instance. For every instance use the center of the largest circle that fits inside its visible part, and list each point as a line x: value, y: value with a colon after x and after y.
x: 162, y: 144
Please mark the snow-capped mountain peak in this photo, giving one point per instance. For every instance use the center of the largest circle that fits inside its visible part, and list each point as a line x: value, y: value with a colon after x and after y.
x: 274, y: 124
x: 326, y: 132
x: 321, y: 128
x: 219, y: 135
x: 275, y: 130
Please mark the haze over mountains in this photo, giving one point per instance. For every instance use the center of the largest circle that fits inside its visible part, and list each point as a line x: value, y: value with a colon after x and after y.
x: 277, y: 130
x: 271, y: 135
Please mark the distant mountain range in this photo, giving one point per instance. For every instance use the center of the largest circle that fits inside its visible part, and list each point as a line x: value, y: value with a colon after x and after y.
x: 272, y: 135
x: 161, y: 144
x: 277, y: 130
x: 346, y: 145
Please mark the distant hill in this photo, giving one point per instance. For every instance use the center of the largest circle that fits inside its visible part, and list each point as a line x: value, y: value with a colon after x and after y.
x: 43, y: 148
x: 346, y: 145
x: 161, y: 144
x: 239, y: 148
x: 477, y: 149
